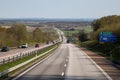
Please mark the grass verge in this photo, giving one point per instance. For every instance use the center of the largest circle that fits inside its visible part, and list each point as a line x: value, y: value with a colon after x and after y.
x: 19, y: 61
x: 103, y: 49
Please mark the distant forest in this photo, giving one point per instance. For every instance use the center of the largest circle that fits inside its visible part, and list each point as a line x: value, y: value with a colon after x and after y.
x: 38, y: 22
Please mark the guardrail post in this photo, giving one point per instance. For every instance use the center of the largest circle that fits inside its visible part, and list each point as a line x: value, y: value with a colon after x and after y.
x: 32, y: 52
x: 0, y: 62
x: 3, y: 61
x: 20, y: 55
x: 28, y: 53
x: 16, y: 57
x: 13, y: 58
x: 8, y: 59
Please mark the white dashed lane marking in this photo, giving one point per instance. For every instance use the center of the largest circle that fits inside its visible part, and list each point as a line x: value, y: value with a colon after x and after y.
x: 65, y: 65
x: 62, y: 74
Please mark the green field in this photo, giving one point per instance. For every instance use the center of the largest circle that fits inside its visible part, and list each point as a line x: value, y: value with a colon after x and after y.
x: 87, y: 29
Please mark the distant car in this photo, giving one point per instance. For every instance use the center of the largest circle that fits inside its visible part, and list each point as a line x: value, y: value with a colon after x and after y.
x: 37, y: 45
x: 25, y: 45
x: 47, y: 42
x: 53, y: 42
x: 68, y: 41
x: 4, y: 49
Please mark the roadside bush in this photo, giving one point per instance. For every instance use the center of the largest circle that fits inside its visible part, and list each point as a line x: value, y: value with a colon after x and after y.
x: 105, y: 24
x: 88, y: 43
x: 114, y: 28
x: 107, y: 20
x: 82, y: 36
x: 116, y: 55
x: 104, y: 48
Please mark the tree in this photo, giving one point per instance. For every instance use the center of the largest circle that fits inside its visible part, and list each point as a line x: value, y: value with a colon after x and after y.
x: 108, y: 20
x: 82, y: 36
x: 107, y: 24
x: 18, y: 32
x: 37, y: 35
x: 2, y: 36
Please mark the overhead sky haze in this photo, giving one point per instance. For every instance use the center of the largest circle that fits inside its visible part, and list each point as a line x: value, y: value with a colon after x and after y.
x: 58, y: 8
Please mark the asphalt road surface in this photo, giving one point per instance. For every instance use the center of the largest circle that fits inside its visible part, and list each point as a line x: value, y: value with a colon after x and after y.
x: 13, y: 52
x: 68, y: 62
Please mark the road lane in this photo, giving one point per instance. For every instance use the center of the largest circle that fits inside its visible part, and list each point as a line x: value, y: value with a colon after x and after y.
x: 81, y: 67
x: 14, y: 52
x: 68, y: 62
x: 52, y: 68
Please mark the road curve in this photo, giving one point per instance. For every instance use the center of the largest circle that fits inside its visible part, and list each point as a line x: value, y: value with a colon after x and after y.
x: 68, y: 62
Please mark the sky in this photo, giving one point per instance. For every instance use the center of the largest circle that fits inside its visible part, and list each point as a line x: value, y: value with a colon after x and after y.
x: 58, y: 8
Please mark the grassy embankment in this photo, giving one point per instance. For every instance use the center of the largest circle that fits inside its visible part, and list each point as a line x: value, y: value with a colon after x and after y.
x: 107, y: 24
x: 103, y: 49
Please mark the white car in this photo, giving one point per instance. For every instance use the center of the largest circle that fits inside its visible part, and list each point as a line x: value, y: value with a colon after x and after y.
x: 25, y: 45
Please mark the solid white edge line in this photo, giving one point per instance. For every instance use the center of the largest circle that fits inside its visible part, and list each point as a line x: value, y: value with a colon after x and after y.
x: 106, y: 75
x: 31, y: 67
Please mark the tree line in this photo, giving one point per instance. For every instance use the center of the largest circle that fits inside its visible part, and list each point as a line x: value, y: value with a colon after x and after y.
x: 106, y: 24
x: 18, y: 34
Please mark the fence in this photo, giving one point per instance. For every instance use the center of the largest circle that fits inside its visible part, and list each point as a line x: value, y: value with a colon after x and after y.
x: 20, y: 56
x: 15, y: 57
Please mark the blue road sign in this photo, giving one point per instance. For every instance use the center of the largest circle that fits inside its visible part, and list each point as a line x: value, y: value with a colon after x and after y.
x: 107, y: 37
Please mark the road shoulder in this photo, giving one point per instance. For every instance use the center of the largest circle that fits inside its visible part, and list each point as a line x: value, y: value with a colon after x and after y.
x: 105, y: 64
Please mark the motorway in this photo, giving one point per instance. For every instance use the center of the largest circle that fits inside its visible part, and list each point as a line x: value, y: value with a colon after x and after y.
x: 68, y: 62
x: 14, y: 52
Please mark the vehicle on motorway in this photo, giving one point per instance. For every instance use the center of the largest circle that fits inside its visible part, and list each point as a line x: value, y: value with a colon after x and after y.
x: 37, y: 45
x: 47, y: 42
x: 4, y: 49
x: 68, y: 41
x: 53, y: 42
x: 24, y: 45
